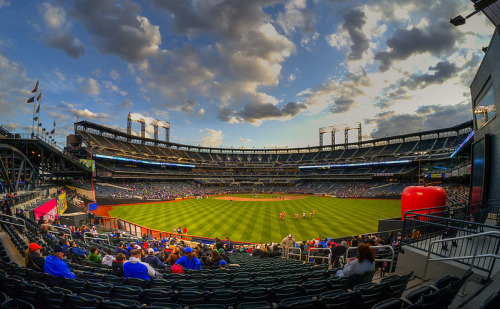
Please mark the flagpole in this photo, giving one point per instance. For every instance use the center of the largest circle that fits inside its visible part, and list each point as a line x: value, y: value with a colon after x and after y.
x: 34, y: 106
x: 38, y: 123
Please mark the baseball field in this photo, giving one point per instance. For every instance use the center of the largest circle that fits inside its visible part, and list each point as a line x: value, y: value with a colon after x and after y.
x: 252, y: 218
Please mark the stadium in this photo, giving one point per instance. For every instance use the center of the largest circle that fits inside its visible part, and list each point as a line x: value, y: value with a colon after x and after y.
x: 119, y: 218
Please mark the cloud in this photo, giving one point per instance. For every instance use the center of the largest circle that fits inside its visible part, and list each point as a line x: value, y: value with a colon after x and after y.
x: 16, y: 127
x: 60, y: 117
x: 91, y: 87
x: 212, y: 138
x: 118, y: 29
x: 11, y: 89
x: 436, y: 39
x: 59, y: 74
x: 426, y: 117
x: 57, y: 34
x: 4, y: 3
x: 296, y: 16
x: 246, y: 140
x: 85, y: 113
x: 354, y: 20
x: 443, y: 71
x: 253, y: 112
x: 201, y: 112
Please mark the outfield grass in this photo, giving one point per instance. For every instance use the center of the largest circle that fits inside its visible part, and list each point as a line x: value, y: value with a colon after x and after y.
x: 259, y: 221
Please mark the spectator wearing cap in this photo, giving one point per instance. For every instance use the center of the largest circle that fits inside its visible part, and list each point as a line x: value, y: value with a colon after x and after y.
x: 55, y: 266
x: 152, y: 260
x: 223, y: 265
x: 135, y: 268
x: 94, y: 256
x: 78, y: 252
x: 108, y: 258
x: 288, y: 242
x: 174, y: 256
x: 33, y: 258
x: 189, y: 261
x: 121, y: 249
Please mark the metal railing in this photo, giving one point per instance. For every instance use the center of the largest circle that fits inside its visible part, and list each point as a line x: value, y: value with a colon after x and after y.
x: 289, y: 253
x: 377, y: 248
x: 17, y: 221
x: 472, y: 257
x: 424, y: 231
x: 99, y: 237
x: 310, y: 255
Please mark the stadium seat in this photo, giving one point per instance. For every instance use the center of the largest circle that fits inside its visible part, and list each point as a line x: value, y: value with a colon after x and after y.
x: 126, y: 292
x: 285, y: 291
x: 190, y: 297
x: 416, y: 295
x: 3, y: 297
x: 267, y: 282
x: 343, y: 283
x: 392, y: 303
x: 225, y: 297
x: 161, y: 283
x: 491, y: 302
x: 17, y: 304
x: 338, y: 299
x: 209, y: 306
x: 163, y: 306
x: 255, y: 294
x: 221, y: 275
x: 313, y: 288
x: 240, y: 283
x: 437, y: 299
x: 81, y: 301
x: 101, y: 289
x: 363, y: 278
x: 120, y: 304
x: 214, y: 284
x: 302, y: 302
x: 397, y: 284
x: 54, y: 297
x: 371, y: 293
x: 255, y: 305
x: 113, y: 279
x: 455, y: 286
x: 291, y: 279
x: 187, y: 284
x: 151, y: 296
x: 75, y: 285
x: 144, y: 284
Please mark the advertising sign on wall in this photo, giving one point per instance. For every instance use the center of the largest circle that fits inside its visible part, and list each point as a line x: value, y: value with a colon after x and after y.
x: 47, y: 210
x: 62, y: 204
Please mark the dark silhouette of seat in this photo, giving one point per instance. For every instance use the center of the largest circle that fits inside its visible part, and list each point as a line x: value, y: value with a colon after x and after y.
x: 416, y: 295
x: 227, y: 297
x: 267, y: 282
x: 391, y: 303
x: 75, y: 285
x: 221, y: 275
x: 437, y: 299
x: 455, y: 286
x: 343, y: 283
x: 17, y: 304
x: 144, y: 284
x: 338, y: 299
x: 82, y: 301
x: 365, y: 277
x: 240, y: 283
x: 188, y: 284
x: 54, y: 297
x: 291, y: 279
x: 120, y: 304
x: 94, y: 277
x: 163, y: 306
x: 313, y: 288
x: 371, y: 294
x: 151, y: 296
x: 214, y: 284
x: 491, y: 302
x: 52, y: 281
x: 255, y: 305
x: 209, y: 306
x: 397, y: 284
x: 302, y: 302
x: 191, y: 297
x: 3, y: 297
x: 113, y: 279
x: 161, y: 283
x: 101, y: 289
x: 255, y: 294
x: 126, y: 292
x: 285, y: 291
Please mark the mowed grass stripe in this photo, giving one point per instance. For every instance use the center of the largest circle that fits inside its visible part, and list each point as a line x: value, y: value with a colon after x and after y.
x: 258, y: 221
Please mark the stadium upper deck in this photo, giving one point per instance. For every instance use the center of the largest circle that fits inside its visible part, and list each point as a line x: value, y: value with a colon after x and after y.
x: 120, y: 155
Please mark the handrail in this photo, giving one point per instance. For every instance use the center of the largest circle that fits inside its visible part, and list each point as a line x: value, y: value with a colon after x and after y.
x: 473, y: 257
x: 11, y: 223
x: 329, y: 257
x: 96, y: 238
x: 17, y: 220
x: 288, y: 254
x: 429, y: 208
x: 378, y: 260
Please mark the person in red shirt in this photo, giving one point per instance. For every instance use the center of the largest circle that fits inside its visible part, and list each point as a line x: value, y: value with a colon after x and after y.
x: 185, y: 231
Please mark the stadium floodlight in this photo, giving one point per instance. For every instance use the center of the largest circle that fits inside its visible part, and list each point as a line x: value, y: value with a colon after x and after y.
x: 490, y: 8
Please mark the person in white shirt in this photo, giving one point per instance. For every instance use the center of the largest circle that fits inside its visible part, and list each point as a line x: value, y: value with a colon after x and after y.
x: 364, y: 262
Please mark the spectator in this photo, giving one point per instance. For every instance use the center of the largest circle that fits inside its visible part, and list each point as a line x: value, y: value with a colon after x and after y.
x: 108, y: 258
x: 173, y: 257
x: 288, y: 242
x: 117, y: 265
x: 121, y: 249
x: 223, y: 265
x: 364, y: 262
x: 185, y: 231
x: 189, y: 261
x: 134, y: 268
x: 55, y: 266
x: 78, y: 252
x: 33, y: 258
x: 152, y: 260
x: 94, y: 256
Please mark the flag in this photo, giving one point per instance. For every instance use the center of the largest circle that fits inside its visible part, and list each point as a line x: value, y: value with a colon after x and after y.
x: 54, y: 123
x: 38, y: 109
x: 36, y: 88
x: 40, y: 124
x: 52, y: 132
x: 39, y: 96
x: 36, y: 118
x: 31, y: 100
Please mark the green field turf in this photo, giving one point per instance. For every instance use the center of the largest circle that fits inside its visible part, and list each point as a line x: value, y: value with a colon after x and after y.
x: 259, y: 221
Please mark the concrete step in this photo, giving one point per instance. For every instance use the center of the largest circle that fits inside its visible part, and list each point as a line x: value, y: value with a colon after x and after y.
x: 11, y: 250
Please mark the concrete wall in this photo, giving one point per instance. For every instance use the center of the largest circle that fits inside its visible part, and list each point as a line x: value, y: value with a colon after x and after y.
x: 490, y: 69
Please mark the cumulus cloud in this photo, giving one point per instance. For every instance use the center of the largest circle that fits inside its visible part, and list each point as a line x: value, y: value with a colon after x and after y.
x: 86, y: 114
x: 258, y: 111
x: 91, y: 86
x: 296, y: 16
x: 442, y: 72
x: 57, y: 34
x: 11, y: 88
x: 213, y: 138
x: 118, y: 29
x: 4, y: 3
x: 246, y: 140
x: 426, y: 117
x: 436, y: 40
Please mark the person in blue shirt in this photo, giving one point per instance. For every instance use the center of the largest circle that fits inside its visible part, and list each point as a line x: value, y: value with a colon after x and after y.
x: 152, y: 260
x: 77, y: 251
x: 189, y: 261
x: 135, y: 268
x: 54, y: 265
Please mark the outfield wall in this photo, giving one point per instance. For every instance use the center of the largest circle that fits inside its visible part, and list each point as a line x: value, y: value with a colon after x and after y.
x: 118, y: 201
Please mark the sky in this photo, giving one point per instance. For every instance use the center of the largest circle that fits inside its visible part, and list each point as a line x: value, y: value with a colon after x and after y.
x: 241, y: 73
